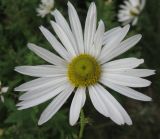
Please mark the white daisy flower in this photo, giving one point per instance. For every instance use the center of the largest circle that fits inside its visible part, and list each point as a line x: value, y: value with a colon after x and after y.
x: 2, y: 91
x: 130, y: 11
x: 45, y: 7
x: 83, y: 65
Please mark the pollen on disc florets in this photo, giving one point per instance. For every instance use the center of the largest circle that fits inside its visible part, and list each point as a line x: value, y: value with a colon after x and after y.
x: 84, y: 70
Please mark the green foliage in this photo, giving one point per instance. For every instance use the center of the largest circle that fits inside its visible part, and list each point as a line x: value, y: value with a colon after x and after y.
x: 19, y: 25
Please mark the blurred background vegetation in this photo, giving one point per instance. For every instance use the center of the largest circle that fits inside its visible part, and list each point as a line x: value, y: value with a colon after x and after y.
x: 19, y: 25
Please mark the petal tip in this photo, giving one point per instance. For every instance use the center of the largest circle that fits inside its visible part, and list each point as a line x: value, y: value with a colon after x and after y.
x: 20, y: 108
x: 69, y: 4
x: 129, y: 123
x: 92, y: 3
x: 41, y: 120
x: 141, y: 61
x: 16, y: 89
x: 40, y: 123
x: 16, y: 68
x: 52, y: 22
x: 30, y: 45
x: 139, y: 36
x: 18, y: 104
x: 41, y: 27
x: 101, y: 21
x: 71, y: 123
x: 149, y: 82
x: 127, y: 26
x: 149, y: 99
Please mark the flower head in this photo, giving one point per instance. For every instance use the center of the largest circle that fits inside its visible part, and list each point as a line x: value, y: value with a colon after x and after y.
x: 130, y: 11
x: 2, y: 90
x: 45, y: 7
x: 84, y: 63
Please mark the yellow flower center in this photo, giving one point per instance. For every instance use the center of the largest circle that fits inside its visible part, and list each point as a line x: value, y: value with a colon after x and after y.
x: 84, y: 70
x: 135, y: 11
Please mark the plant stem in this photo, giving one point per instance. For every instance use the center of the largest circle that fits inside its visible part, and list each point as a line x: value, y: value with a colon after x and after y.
x: 82, y: 124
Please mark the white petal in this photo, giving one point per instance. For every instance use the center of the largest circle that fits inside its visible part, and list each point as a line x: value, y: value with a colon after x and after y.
x: 127, y: 21
x: 41, y: 71
x: 123, y: 7
x: 83, y: 99
x: 98, y: 39
x: 126, y: 91
x: 134, y: 2
x: 132, y: 72
x: 125, y: 80
x: 123, y: 47
x: 122, y: 33
x: 34, y: 102
x: 143, y: 3
x: 124, y: 15
x: 55, y: 43
x: 97, y: 102
x: 113, y: 43
x: 134, y: 22
x: 124, y: 18
x: 114, y: 105
x: 46, y: 55
x: 114, y: 113
x: 122, y: 64
x: 77, y: 103
x: 2, y: 98
x: 128, y: 4
x: 61, y: 21
x: 124, y: 12
x: 4, y: 89
x: 76, y: 27
x: 90, y: 27
x: 40, y: 83
x: 55, y: 105
x: 110, y: 33
x: 64, y: 38
x: 32, y: 94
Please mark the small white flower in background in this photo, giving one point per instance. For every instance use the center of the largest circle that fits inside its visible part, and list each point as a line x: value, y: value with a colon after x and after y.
x: 84, y: 63
x: 130, y: 11
x: 2, y: 90
x: 45, y: 7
